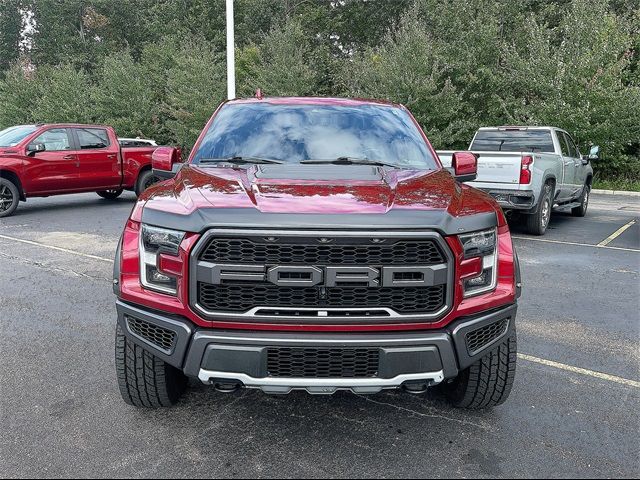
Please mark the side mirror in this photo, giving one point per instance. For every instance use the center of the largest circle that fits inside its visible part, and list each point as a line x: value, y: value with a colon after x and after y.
x: 594, y: 155
x: 36, y: 148
x: 163, y: 161
x: 464, y: 166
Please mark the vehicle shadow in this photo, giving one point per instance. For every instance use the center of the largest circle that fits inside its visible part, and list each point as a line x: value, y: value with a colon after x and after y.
x: 558, y: 220
x: 38, y: 205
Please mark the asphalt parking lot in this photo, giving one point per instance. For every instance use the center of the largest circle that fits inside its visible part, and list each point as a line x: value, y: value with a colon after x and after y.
x: 573, y: 411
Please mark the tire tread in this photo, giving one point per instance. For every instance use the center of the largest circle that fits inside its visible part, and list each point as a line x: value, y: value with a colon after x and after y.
x: 488, y: 382
x: 145, y: 380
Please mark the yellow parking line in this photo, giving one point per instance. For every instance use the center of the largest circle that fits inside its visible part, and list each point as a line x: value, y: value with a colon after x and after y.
x: 616, y: 234
x: 532, y: 239
x: 582, y: 371
x: 60, y: 249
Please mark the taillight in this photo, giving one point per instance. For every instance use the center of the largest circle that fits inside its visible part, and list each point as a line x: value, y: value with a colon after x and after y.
x: 525, y: 169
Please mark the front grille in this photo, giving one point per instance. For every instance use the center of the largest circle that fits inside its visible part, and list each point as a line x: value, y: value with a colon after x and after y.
x: 248, y: 282
x: 240, y: 298
x: 323, y: 362
x: 477, y: 339
x: 307, y: 251
x: 158, y: 336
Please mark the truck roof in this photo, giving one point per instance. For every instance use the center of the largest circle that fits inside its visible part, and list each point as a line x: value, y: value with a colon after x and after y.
x: 71, y: 125
x: 315, y: 101
x: 518, y: 127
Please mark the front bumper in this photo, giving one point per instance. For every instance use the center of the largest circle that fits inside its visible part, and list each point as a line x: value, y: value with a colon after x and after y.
x: 241, y: 357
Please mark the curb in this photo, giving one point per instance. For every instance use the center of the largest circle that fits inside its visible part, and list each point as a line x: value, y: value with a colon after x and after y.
x: 616, y: 192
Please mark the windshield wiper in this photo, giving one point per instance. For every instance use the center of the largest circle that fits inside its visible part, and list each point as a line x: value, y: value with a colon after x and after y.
x: 240, y: 160
x: 351, y: 161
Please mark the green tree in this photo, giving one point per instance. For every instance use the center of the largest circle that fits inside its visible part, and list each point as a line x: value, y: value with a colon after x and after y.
x: 18, y: 95
x: 408, y: 69
x: 285, y: 62
x: 195, y: 87
x: 123, y: 96
x: 62, y: 95
x: 11, y: 25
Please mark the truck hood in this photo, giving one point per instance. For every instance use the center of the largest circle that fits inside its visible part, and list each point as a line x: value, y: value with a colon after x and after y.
x: 315, y: 190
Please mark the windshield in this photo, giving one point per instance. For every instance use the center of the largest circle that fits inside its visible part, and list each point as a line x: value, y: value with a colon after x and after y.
x: 513, y: 141
x: 10, y: 137
x: 295, y: 133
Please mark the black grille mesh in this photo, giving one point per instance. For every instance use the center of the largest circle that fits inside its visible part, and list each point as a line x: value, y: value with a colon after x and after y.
x: 399, y: 252
x: 154, y: 334
x: 323, y: 362
x: 485, y: 335
x: 240, y: 298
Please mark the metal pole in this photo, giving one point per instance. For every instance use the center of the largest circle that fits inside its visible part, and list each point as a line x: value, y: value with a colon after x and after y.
x: 231, y: 56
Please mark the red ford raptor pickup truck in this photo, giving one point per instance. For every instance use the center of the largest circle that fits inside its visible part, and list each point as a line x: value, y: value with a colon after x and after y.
x: 315, y: 244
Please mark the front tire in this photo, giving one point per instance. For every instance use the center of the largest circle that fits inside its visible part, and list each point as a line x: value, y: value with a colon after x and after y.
x: 537, y: 223
x: 581, y: 211
x: 486, y: 383
x: 144, y: 379
x: 110, y: 194
x: 9, y: 197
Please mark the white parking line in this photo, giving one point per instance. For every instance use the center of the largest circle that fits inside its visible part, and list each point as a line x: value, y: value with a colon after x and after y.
x: 522, y: 356
x: 531, y: 239
x: 582, y: 371
x: 616, y: 234
x: 60, y: 249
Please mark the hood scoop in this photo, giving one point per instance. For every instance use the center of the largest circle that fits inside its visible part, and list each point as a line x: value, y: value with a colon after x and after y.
x: 327, y: 172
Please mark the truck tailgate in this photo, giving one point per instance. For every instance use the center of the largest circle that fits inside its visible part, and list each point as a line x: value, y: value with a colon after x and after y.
x: 499, y: 167
x: 493, y: 167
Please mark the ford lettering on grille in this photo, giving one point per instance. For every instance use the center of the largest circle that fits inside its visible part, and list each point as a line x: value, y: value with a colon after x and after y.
x: 330, y: 276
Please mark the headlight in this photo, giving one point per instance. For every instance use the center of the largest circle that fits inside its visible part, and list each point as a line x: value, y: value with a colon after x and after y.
x: 153, y: 242
x: 481, y: 245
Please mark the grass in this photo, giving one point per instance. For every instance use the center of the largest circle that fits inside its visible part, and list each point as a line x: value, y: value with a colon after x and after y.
x: 621, y: 184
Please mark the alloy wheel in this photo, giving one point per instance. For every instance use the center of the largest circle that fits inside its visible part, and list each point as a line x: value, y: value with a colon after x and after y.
x: 6, y: 198
x: 585, y: 200
x: 546, y: 212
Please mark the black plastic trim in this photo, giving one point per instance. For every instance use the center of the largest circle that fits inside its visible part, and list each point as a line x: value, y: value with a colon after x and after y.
x: 192, y: 343
x: 168, y: 174
x: 203, y: 339
x: 250, y: 218
x: 181, y: 327
x: 116, y: 268
x: 460, y: 328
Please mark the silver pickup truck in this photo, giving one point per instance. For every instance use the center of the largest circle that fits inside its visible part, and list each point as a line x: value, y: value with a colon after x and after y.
x: 532, y: 170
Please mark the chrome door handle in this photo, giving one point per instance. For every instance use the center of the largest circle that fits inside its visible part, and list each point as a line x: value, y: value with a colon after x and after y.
x: 69, y: 157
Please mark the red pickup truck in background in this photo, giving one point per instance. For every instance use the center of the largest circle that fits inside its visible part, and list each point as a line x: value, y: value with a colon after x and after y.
x: 54, y: 159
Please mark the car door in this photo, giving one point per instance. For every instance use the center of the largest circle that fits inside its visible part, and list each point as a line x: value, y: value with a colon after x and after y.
x: 573, y: 183
x: 98, y: 158
x: 55, y: 169
x: 579, y: 175
x: 568, y: 167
